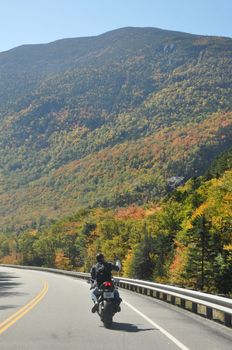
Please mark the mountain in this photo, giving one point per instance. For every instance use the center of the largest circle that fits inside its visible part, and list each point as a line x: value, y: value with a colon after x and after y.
x: 109, y: 120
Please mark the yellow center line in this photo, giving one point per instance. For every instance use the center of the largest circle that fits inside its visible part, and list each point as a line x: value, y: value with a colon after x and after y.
x: 24, y: 310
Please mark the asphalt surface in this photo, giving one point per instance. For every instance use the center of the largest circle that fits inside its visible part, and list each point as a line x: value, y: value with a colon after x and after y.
x: 40, y: 310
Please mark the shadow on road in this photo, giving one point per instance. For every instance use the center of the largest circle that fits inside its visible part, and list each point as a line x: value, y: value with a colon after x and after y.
x: 5, y: 307
x: 129, y: 327
x: 4, y: 276
x: 8, y: 285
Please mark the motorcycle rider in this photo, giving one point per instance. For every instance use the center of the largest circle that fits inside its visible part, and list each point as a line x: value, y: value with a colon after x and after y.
x: 101, y: 272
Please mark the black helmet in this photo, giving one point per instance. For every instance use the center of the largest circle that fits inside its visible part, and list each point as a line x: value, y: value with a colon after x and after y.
x: 100, y: 257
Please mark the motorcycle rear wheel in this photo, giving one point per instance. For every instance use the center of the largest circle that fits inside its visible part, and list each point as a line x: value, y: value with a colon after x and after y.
x: 107, y: 317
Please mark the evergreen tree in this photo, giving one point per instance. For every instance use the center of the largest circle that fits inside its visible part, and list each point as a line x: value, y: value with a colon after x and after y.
x: 202, y: 252
x: 143, y: 261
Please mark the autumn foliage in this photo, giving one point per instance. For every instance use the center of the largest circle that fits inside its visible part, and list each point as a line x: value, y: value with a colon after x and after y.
x: 185, y: 241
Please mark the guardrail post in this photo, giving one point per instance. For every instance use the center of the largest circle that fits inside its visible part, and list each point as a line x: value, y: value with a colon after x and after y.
x: 209, y: 313
x: 173, y: 299
x: 183, y: 303
x: 194, y: 307
x: 153, y: 293
x: 227, y: 320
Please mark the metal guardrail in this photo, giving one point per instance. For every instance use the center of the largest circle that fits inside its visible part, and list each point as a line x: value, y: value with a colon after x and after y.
x: 81, y: 275
x: 213, y: 307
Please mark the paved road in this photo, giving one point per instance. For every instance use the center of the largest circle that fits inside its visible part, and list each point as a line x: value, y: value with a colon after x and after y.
x: 40, y: 310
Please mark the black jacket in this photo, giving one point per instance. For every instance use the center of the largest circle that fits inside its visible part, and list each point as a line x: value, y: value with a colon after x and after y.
x: 101, y: 272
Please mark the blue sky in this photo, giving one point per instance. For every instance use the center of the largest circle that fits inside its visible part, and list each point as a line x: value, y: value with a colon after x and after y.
x: 42, y: 21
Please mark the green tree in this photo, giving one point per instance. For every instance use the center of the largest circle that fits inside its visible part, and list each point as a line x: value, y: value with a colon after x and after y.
x: 143, y: 260
x: 45, y: 250
x: 203, y: 248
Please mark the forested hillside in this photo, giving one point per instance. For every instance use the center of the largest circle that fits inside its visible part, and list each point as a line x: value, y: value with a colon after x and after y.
x: 109, y: 121
x: 185, y: 239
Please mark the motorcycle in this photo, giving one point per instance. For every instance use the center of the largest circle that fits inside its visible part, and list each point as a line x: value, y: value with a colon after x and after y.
x: 107, y: 303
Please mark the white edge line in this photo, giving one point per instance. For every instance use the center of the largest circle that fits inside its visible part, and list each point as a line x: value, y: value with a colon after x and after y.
x: 173, y: 339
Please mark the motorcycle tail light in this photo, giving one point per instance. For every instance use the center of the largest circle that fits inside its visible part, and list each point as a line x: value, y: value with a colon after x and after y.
x: 108, y: 284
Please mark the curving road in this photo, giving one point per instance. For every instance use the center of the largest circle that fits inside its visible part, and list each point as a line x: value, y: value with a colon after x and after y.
x: 40, y: 310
